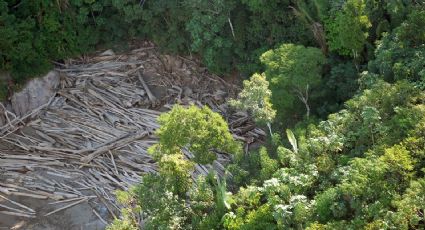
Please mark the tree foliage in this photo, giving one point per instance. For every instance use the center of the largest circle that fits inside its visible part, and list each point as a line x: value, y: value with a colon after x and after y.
x: 200, y: 130
x: 358, y: 189
x: 170, y: 199
x: 401, y: 53
x: 290, y: 83
x: 347, y: 27
x: 362, y: 168
x: 255, y: 98
x: 225, y: 34
x: 355, y: 68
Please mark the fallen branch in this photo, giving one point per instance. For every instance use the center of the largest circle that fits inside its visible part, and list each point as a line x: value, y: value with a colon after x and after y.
x: 100, y: 218
x: 15, y: 209
x: 18, y: 204
x: 67, y: 206
x: 122, y: 142
x: 151, y: 97
x: 17, y: 214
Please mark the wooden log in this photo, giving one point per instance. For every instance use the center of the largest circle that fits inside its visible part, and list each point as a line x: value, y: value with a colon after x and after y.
x: 17, y: 214
x: 151, y: 97
x: 67, y: 206
x: 100, y: 218
x: 119, y: 143
x: 14, y: 209
x: 18, y: 204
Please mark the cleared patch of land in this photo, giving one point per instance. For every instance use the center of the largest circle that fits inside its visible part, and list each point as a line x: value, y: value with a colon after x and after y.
x: 61, y: 166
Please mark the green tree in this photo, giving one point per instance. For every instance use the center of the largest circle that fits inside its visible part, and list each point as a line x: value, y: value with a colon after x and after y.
x: 401, y: 53
x: 255, y: 98
x: 313, y: 13
x: 293, y: 72
x: 161, y: 208
x: 347, y: 27
x: 267, y: 164
x: 411, y: 207
x: 176, y: 173
x: 212, y: 32
x: 163, y: 22
x: 200, y: 130
x: 170, y: 199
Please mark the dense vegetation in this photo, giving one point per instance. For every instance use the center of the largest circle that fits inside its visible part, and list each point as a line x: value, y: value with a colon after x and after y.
x: 228, y: 35
x: 339, y: 85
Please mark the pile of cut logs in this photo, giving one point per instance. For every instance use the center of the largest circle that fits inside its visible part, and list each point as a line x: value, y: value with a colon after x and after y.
x: 93, y: 135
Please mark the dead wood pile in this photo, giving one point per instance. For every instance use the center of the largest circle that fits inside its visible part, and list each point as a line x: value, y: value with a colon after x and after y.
x: 93, y: 135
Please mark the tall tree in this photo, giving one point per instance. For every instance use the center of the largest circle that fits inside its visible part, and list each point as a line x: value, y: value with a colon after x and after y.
x: 347, y: 27
x: 293, y: 72
x: 313, y: 13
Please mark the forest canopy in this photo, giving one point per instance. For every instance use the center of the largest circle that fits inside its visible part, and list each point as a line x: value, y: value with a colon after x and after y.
x: 338, y: 84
